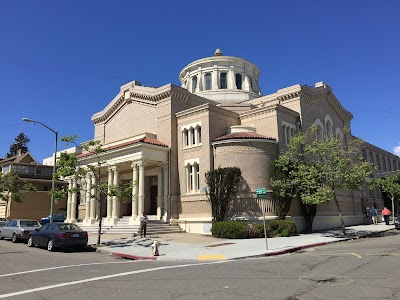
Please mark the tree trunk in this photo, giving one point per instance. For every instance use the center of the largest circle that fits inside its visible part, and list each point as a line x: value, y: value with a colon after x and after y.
x: 100, y: 223
x: 394, y: 221
x: 340, y: 213
x: 309, y: 211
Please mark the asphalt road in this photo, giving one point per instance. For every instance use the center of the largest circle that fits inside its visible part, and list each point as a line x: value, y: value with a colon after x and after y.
x: 359, y: 269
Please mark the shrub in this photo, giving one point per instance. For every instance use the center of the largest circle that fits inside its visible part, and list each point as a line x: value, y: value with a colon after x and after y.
x: 256, y: 230
x: 230, y: 230
x: 281, y: 228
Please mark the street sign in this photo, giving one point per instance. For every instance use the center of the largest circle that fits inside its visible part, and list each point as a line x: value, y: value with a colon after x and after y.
x: 261, y: 191
x: 262, y: 196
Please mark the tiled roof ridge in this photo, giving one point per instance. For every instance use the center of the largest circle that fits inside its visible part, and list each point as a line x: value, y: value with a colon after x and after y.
x: 145, y: 140
x: 243, y: 135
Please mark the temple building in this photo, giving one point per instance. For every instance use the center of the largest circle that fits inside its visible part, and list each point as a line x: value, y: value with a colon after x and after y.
x: 166, y: 138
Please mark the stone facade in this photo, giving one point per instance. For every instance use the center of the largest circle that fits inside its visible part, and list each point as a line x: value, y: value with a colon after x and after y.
x: 167, y: 138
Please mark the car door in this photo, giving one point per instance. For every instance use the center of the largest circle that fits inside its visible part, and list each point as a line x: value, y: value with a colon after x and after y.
x: 40, y: 236
x: 9, y: 229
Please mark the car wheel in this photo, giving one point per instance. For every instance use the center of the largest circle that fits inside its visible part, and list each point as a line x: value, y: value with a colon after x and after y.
x: 50, y: 245
x: 14, y: 238
x: 30, y: 242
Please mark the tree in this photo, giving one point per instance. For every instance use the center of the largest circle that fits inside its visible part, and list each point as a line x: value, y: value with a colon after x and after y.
x: 10, y: 188
x: 68, y: 165
x: 223, y: 185
x: 283, y: 186
x: 20, y: 143
x: 391, y: 186
x: 323, y: 167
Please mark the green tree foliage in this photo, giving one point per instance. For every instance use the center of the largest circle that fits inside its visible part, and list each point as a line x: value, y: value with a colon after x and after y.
x: 68, y: 165
x: 391, y: 186
x: 20, y: 143
x: 223, y: 186
x: 321, y: 167
x: 283, y: 186
x: 10, y: 188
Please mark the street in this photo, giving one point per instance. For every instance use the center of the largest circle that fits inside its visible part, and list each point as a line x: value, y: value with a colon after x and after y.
x: 358, y: 269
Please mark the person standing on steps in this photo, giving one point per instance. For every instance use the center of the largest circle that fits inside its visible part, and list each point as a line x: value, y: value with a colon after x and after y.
x: 143, y: 224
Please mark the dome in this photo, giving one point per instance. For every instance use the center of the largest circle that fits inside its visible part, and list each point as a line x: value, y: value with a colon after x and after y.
x: 223, y: 79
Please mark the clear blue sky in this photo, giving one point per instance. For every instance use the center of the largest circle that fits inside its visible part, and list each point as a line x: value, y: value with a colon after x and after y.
x: 63, y: 61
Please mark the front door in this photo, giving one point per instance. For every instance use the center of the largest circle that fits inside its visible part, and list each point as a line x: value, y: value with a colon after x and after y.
x: 153, y: 200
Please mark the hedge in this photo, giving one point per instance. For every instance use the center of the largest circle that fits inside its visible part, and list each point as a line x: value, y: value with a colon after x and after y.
x: 243, y: 230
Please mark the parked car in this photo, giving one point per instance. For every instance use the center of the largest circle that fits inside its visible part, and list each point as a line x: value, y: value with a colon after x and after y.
x: 18, y: 229
x: 58, y: 235
x: 56, y: 218
x: 397, y: 222
x: 3, y: 222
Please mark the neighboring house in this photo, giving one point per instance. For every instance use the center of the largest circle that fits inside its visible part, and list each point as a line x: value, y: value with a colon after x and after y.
x: 35, y: 205
x: 166, y: 139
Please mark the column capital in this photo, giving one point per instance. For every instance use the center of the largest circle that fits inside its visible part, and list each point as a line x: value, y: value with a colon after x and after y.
x: 112, y: 168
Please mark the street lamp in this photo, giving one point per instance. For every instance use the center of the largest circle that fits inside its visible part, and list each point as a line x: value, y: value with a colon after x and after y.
x: 54, y: 166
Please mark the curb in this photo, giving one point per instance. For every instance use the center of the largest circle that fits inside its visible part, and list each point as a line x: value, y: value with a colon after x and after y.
x: 133, y: 257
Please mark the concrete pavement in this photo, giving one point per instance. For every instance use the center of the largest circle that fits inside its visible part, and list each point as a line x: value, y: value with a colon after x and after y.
x: 194, y: 247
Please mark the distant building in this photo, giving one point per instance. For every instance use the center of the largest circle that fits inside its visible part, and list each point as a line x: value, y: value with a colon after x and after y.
x: 49, y: 161
x: 167, y: 138
x: 35, y: 205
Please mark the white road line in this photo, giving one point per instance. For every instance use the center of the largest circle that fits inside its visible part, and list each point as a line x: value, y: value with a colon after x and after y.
x: 104, y: 277
x: 62, y: 267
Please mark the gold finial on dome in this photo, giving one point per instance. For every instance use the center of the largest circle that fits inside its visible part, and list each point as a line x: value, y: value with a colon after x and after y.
x: 218, y: 52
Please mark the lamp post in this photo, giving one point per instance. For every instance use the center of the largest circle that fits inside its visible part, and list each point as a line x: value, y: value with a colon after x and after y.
x: 54, y: 166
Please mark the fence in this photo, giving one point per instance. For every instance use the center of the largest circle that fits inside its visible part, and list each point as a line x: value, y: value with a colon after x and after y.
x: 251, y: 208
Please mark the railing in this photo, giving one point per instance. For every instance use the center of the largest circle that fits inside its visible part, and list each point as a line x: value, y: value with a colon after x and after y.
x: 252, y: 207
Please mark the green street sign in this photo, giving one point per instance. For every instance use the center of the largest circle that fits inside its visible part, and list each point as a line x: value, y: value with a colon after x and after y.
x: 262, y: 196
x: 261, y: 191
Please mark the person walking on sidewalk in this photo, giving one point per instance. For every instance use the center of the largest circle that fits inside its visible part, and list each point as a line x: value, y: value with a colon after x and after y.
x: 386, y: 214
x: 143, y: 224
x: 374, y: 215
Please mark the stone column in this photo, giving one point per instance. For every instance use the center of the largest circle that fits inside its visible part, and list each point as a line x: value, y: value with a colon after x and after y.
x: 93, y: 200
x: 190, y: 136
x: 214, y: 78
x: 109, y: 198
x: 196, y: 135
x: 159, y: 193
x: 87, y: 194
x: 231, y: 79
x: 165, y: 193
x: 69, y: 199
x: 115, y: 200
x: 134, y: 218
x: 141, y: 187
x: 73, y: 201
x: 199, y: 87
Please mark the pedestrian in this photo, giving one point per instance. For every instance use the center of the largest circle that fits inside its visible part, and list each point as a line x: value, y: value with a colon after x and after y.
x: 386, y: 214
x: 143, y: 224
x: 374, y: 215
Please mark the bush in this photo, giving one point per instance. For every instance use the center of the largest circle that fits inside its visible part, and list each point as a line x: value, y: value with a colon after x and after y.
x: 242, y: 230
x: 256, y: 230
x: 281, y: 228
x: 230, y: 230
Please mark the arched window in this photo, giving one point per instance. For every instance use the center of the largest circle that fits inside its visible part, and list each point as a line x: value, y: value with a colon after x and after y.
x: 194, y: 84
x: 207, y: 79
x: 238, y: 78
x: 192, y: 177
x: 222, y: 81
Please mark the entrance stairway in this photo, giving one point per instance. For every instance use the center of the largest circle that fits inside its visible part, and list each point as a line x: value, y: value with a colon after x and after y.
x: 123, y: 227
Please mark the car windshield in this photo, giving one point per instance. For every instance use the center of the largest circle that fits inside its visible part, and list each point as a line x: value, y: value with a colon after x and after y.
x: 68, y: 227
x: 29, y: 223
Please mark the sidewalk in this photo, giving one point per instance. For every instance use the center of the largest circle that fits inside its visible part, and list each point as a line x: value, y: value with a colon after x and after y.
x: 194, y: 247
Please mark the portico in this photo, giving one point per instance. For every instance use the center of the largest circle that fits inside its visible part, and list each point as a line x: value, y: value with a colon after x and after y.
x: 143, y: 162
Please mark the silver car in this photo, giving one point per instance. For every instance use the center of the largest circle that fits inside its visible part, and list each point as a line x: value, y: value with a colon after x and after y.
x: 18, y: 229
x: 3, y: 222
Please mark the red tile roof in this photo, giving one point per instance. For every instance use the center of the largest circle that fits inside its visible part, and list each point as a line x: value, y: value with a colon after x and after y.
x: 145, y: 140
x: 243, y: 135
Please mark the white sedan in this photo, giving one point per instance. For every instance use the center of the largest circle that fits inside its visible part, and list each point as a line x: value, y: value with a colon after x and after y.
x: 18, y: 229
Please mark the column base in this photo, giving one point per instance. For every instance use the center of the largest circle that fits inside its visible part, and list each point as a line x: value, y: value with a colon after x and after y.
x: 72, y: 221
x: 112, y: 221
x: 134, y: 220
x: 89, y: 221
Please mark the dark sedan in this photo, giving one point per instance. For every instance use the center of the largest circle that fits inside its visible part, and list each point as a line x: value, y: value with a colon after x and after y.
x: 58, y: 235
